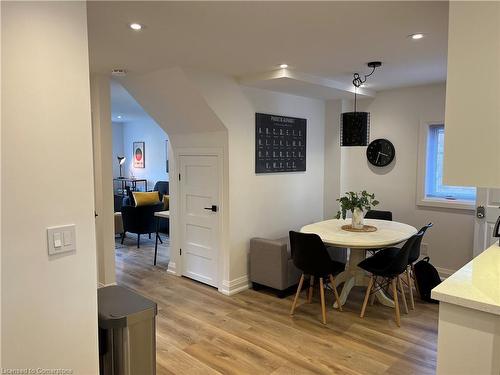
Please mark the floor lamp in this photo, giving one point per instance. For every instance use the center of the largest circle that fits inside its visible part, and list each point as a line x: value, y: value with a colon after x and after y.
x: 121, y: 160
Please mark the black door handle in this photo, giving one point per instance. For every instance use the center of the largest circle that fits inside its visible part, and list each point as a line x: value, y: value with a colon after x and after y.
x: 213, y: 208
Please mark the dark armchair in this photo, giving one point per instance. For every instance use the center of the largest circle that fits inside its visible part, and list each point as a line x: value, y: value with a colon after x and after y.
x: 162, y: 188
x: 140, y: 220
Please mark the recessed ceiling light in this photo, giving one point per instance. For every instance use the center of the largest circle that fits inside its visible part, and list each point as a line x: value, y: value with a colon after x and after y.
x: 135, y: 26
x: 284, y: 66
x: 118, y: 116
x: 417, y: 36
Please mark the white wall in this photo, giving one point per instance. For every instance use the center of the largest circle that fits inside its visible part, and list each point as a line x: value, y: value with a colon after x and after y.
x: 103, y: 185
x: 117, y: 140
x: 272, y: 204
x: 396, y: 115
x: 283, y: 201
x: 332, y: 157
x: 154, y: 137
x: 49, y: 305
x: 256, y: 205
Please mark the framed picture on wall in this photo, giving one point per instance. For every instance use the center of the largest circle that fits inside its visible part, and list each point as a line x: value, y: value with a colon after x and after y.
x: 139, y: 154
x: 166, y: 155
x: 280, y: 143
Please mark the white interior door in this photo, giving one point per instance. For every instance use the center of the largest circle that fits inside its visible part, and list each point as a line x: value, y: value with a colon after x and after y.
x: 483, y: 227
x: 199, y: 200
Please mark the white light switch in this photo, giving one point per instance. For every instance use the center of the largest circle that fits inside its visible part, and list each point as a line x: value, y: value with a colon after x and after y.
x: 57, y: 239
x: 61, y: 239
x: 67, y: 238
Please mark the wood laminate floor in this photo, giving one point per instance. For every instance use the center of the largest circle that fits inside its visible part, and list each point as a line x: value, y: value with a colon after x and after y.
x: 200, y: 331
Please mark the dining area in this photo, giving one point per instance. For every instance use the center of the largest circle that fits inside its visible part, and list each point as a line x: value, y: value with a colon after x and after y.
x: 381, y: 256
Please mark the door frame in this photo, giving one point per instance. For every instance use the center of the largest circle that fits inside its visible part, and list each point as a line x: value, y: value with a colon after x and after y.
x: 177, y: 218
x: 482, y: 225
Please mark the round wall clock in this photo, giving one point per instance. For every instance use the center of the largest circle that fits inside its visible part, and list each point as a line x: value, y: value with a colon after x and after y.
x: 380, y: 152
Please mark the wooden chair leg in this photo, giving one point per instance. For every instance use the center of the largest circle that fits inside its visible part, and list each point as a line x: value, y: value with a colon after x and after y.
x: 335, y: 292
x: 374, y: 285
x: 410, y: 288
x: 123, y: 237
x: 310, y: 293
x: 396, y: 303
x: 405, y: 305
x: 322, y: 295
x: 367, y: 296
x: 299, y: 288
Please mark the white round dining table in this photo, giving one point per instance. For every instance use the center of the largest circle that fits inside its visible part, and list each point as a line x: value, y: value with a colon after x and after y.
x: 388, y: 233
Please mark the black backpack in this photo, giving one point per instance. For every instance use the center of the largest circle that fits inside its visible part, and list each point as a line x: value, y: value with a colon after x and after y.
x: 427, y: 277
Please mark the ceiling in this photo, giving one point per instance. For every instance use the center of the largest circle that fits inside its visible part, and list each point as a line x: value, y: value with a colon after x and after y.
x: 326, y: 39
x: 125, y: 106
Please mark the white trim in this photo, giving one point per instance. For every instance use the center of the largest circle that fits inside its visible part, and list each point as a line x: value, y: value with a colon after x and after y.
x: 421, y: 199
x: 172, y: 269
x: 232, y: 287
x: 324, y: 84
x: 447, y: 203
x: 101, y: 285
x: 445, y: 272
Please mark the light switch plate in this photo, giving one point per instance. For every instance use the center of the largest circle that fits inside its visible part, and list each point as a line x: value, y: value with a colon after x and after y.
x: 61, y: 239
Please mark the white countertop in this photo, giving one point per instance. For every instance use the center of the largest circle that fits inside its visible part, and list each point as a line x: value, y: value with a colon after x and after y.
x: 476, y: 285
x: 388, y: 233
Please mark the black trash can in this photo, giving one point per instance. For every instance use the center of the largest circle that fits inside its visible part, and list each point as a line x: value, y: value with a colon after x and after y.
x: 127, y: 326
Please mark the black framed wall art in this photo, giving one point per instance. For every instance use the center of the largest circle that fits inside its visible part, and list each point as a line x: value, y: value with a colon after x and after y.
x: 280, y: 143
x: 139, y: 154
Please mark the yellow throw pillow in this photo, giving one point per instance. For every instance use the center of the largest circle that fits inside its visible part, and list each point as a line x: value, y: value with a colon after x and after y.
x: 166, y: 202
x: 146, y: 198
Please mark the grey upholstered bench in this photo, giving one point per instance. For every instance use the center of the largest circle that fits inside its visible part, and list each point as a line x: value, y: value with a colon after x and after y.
x: 271, y: 264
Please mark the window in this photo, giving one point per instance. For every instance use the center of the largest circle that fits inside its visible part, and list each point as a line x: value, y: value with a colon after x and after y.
x: 434, y: 187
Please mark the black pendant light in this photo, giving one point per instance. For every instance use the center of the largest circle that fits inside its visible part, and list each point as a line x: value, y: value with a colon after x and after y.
x: 355, y: 126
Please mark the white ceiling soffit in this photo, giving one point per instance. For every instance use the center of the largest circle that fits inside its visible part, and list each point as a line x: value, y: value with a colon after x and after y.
x: 303, y: 84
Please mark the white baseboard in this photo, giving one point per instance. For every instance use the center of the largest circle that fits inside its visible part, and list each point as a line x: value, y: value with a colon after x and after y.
x: 102, y: 285
x: 445, y: 272
x: 172, y: 268
x: 231, y: 287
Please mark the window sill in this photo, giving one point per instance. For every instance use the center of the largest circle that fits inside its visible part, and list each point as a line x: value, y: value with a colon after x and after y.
x: 447, y: 203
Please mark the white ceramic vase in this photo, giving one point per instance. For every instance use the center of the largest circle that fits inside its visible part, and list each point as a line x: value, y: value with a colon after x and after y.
x: 357, y: 218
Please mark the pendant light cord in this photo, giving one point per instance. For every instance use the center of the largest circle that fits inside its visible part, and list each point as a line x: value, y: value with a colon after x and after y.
x: 355, y: 97
x: 358, y: 81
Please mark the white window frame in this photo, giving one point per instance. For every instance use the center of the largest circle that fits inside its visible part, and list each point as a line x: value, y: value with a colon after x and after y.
x: 421, y: 199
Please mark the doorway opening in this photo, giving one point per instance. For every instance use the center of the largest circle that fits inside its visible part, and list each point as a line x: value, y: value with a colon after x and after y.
x: 167, y: 192
x: 141, y: 188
